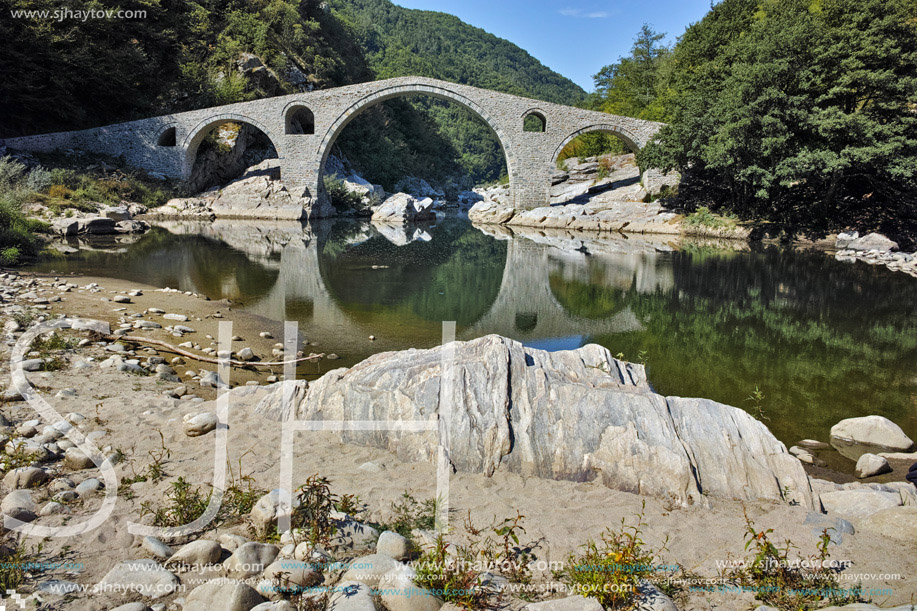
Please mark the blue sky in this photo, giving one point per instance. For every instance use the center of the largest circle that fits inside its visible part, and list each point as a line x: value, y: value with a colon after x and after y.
x: 573, y: 37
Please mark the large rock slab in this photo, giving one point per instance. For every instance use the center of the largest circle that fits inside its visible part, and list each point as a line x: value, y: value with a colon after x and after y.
x: 575, y: 415
x: 858, y: 503
x: 854, y: 437
x: 894, y: 522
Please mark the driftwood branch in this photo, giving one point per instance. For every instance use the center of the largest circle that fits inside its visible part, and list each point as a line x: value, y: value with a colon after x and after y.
x: 206, y: 359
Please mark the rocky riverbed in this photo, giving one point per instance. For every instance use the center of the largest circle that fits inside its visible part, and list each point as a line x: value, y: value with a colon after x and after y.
x: 153, y: 413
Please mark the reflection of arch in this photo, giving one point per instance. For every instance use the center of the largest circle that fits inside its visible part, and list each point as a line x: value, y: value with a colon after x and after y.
x: 388, y: 93
x: 298, y: 119
x: 455, y: 276
x: 534, y: 121
x: 628, y: 137
x: 526, y: 321
x: 167, y: 137
x: 200, y: 131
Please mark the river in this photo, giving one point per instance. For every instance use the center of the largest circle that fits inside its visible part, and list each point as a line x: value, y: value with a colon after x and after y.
x: 792, y: 336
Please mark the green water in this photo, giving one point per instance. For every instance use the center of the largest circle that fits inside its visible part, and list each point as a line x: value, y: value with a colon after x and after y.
x: 822, y: 340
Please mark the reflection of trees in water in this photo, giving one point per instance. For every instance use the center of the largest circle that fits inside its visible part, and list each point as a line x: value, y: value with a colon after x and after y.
x: 161, y: 258
x: 455, y: 276
x: 810, y: 332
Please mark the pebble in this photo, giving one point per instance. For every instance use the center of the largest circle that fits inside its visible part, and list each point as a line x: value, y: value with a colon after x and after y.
x: 51, y: 509
x: 250, y: 559
x: 75, y: 459
x: 393, y: 545
x: 870, y: 465
x: 19, y: 504
x: 86, y: 487
x: 160, y: 550
x: 222, y: 594
x: 121, y: 299
x: 144, y: 576
x: 196, y: 425
x: 197, y: 554
x: 25, y: 477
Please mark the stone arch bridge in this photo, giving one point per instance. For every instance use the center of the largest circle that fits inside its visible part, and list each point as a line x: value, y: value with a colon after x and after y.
x: 304, y: 126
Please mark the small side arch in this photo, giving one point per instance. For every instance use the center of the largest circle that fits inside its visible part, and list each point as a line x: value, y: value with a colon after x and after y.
x: 628, y: 137
x: 534, y: 120
x: 298, y: 119
x: 200, y: 131
x: 167, y: 137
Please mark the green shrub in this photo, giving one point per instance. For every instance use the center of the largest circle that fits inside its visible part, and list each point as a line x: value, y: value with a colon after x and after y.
x: 60, y: 192
x: 409, y: 513
x: 451, y: 576
x: 779, y: 581
x: 313, y: 513
x: 38, y: 179
x: 11, y: 171
x: 340, y: 197
x: 184, y: 505
x: 10, y: 256
x: 611, y: 569
x: 704, y: 217
x: 17, y: 233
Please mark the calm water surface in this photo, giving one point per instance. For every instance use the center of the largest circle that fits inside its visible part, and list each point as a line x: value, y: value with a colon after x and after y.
x: 820, y: 339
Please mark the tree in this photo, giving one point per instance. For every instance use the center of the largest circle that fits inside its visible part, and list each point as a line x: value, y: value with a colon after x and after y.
x: 631, y: 87
x: 800, y: 112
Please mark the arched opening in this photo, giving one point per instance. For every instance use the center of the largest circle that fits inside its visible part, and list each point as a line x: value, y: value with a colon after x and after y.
x: 167, y: 137
x: 225, y: 150
x: 596, y: 163
x: 299, y: 120
x: 429, y: 142
x: 526, y: 321
x: 457, y: 275
x: 534, y: 122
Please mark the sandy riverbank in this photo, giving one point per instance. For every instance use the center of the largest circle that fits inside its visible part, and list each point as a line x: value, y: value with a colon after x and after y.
x: 132, y: 411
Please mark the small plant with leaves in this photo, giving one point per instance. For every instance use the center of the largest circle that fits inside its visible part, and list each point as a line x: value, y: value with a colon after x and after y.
x: 184, y: 504
x: 18, y: 457
x: 611, y: 569
x: 17, y: 560
x: 241, y: 495
x: 410, y: 514
x: 513, y: 558
x: 781, y: 581
x: 313, y: 513
x: 452, y: 576
x: 756, y: 398
x: 351, y: 504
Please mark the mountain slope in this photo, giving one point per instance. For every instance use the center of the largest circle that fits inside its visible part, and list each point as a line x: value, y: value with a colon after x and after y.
x: 62, y: 74
x: 399, y: 42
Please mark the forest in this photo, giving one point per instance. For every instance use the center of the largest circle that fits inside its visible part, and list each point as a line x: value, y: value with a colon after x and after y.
x: 801, y: 114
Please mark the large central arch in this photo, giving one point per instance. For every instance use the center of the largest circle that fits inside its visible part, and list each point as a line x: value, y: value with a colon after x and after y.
x: 350, y: 113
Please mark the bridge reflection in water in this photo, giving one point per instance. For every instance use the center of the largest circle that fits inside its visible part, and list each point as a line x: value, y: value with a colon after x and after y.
x: 823, y: 340
x: 344, y: 281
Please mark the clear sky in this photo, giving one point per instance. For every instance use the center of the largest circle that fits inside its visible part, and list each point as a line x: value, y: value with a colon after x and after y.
x: 573, y: 37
